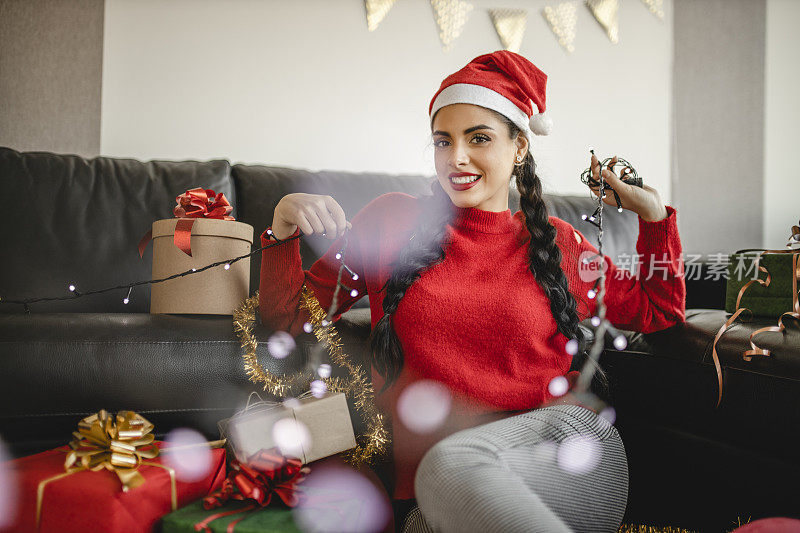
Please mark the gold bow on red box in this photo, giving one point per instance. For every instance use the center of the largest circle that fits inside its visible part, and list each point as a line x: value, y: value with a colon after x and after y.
x: 119, y: 443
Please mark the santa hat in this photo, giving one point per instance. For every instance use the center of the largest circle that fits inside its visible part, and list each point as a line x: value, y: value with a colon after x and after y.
x: 503, y: 81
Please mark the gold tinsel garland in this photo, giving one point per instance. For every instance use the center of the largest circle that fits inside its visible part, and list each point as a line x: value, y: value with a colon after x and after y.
x: 358, y: 387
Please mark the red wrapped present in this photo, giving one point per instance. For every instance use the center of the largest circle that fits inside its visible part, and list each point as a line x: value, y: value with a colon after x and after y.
x: 112, y: 478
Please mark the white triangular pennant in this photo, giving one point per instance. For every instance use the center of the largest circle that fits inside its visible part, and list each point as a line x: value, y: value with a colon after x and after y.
x: 510, y: 26
x: 656, y: 7
x: 563, y: 19
x: 606, y: 11
x: 376, y: 11
x: 451, y: 15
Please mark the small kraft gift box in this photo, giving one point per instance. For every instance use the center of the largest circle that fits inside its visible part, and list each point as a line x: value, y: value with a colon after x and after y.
x: 112, y: 478
x: 309, y: 427
x: 203, y: 233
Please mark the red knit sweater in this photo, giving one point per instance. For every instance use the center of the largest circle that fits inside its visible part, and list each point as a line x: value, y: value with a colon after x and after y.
x: 478, y: 322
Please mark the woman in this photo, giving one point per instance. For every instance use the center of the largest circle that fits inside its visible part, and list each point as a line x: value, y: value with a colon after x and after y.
x: 470, y: 297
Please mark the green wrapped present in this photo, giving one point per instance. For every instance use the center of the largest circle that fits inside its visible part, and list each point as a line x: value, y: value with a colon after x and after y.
x: 339, y: 513
x: 763, y: 301
x: 267, y: 520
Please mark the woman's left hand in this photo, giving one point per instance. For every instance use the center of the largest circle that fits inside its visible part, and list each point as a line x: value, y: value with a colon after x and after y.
x: 644, y: 201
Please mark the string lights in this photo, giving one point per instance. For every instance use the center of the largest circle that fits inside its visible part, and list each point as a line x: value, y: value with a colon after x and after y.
x: 74, y: 293
x: 597, y: 292
x: 628, y: 175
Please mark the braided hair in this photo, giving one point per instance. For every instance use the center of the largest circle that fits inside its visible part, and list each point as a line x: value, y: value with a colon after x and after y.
x: 427, y: 248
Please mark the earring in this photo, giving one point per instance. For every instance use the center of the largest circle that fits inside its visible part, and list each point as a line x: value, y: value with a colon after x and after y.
x: 519, y: 161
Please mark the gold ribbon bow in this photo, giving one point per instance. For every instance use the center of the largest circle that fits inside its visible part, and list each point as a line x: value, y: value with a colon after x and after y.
x: 747, y: 355
x: 118, y: 443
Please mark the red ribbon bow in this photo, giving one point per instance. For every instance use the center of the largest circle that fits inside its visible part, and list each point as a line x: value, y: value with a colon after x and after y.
x: 202, y: 203
x: 193, y: 204
x: 265, y: 473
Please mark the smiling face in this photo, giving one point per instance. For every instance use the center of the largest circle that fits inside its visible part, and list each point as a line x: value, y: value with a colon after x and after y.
x: 474, y: 156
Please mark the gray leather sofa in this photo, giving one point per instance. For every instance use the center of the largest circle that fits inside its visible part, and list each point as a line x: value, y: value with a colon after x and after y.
x: 73, y: 220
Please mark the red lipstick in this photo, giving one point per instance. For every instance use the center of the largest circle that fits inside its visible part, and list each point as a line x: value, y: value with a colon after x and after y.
x: 463, y: 186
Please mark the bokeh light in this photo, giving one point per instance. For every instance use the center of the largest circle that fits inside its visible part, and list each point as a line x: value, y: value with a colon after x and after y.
x: 620, y: 342
x: 324, y: 370
x: 318, y: 388
x: 558, y: 386
x: 191, y: 458
x: 578, y: 454
x: 571, y: 347
x: 8, y: 489
x: 307, y: 327
x: 609, y: 413
x: 341, y: 499
x: 291, y: 402
x: 424, y: 405
x: 291, y: 436
x: 280, y: 344
x: 595, y: 321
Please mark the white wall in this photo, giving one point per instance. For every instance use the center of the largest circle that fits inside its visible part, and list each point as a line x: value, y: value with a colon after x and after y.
x: 304, y: 84
x: 782, y: 117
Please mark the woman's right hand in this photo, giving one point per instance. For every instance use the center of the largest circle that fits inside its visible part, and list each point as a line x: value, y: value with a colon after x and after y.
x: 312, y: 213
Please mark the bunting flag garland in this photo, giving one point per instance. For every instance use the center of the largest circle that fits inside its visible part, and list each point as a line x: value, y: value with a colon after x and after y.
x: 656, y: 7
x: 451, y: 16
x: 510, y: 26
x: 376, y: 12
x: 562, y: 20
x: 606, y: 11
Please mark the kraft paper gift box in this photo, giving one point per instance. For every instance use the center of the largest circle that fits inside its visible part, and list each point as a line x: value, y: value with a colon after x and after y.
x: 216, y: 291
x: 327, y: 420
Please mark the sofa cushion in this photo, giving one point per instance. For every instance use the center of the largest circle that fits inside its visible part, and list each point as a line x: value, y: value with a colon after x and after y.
x: 177, y: 371
x: 68, y: 219
x: 620, y: 230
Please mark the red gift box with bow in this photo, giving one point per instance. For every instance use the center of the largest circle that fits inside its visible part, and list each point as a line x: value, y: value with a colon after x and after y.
x: 112, y: 478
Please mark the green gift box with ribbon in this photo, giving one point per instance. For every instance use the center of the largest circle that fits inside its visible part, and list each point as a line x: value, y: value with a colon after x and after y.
x: 341, y: 514
x: 745, y: 267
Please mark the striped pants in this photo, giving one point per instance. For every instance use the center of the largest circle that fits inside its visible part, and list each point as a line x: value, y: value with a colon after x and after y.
x: 555, y: 469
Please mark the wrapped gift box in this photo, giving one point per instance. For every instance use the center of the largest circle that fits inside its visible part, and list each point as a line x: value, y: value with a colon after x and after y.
x: 769, y: 302
x: 215, y: 291
x: 333, y: 509
x: 93, y: 501
x: 327, y: 420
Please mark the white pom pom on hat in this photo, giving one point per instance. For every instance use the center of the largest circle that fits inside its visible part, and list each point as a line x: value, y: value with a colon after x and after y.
x: 541, y: 124
x: 503, y: 81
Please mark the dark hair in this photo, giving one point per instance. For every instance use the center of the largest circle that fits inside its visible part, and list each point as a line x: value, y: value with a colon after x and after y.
x: 427, y: 249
